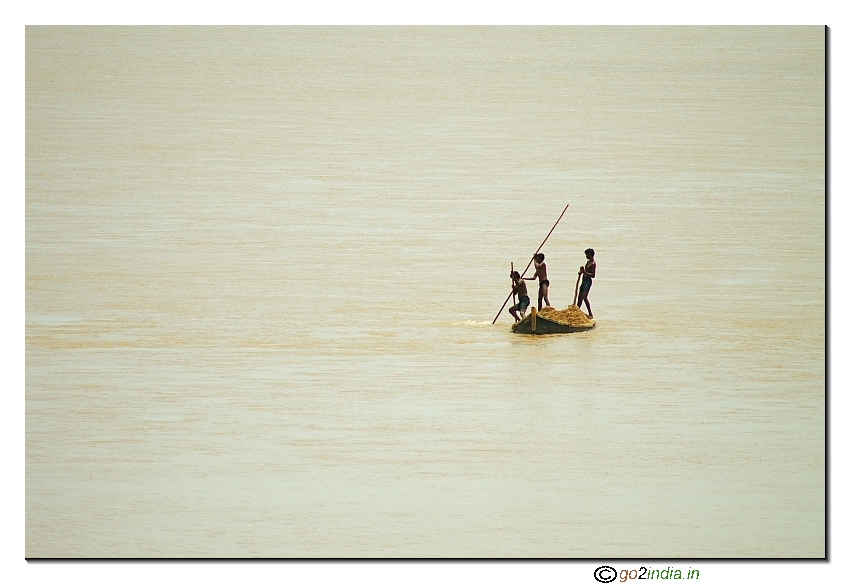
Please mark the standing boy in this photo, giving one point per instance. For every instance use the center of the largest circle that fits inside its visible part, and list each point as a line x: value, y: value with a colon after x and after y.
x: 521, y: 292
x: 588, y: 272
x: 540, y: 274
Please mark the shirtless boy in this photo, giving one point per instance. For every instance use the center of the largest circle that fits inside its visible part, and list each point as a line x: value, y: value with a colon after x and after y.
x: 521, y: 292
x: 588, y: 272
x: 540, y: 274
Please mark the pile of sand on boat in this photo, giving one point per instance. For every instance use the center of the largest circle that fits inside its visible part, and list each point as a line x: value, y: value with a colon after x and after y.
x: 572, y: 316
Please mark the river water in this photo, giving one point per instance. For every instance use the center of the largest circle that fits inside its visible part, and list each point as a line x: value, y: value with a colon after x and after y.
x: 262, y: 263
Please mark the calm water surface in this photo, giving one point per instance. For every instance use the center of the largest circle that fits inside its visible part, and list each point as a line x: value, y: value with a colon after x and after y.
x: 262, y: 263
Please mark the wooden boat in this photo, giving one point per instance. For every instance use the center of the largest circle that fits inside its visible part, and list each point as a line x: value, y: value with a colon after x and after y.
x: 538, y: 323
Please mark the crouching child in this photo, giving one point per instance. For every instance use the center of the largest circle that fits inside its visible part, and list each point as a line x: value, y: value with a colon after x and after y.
x: 520, y: 292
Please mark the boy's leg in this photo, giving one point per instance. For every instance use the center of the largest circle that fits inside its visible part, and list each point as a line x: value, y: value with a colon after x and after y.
x: 582, y: 297
x: 546, y: 294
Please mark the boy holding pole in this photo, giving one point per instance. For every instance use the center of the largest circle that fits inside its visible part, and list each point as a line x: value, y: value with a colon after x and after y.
x: 540, y: 274
x: 521, y: 291
x: 588, y: 272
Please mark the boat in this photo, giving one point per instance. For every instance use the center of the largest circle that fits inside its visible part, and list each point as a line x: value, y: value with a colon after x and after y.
x: 551, y: 321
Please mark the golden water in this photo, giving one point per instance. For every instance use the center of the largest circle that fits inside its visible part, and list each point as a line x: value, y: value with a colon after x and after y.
x: 261, y: 266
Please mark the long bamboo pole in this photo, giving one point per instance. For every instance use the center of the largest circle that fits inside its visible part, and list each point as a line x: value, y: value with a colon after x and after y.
x: 513, y: 293
x: 575, y: 296
x: 532, y: 259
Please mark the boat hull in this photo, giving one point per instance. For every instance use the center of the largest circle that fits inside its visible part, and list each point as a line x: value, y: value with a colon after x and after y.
x: 544, y: 326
